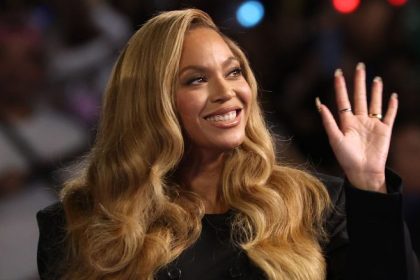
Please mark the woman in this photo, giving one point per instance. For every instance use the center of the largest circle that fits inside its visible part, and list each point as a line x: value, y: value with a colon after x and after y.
x: 182, y: 182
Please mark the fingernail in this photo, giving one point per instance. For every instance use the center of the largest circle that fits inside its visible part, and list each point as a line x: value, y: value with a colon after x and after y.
x: 377, y: 79
x: 338, y: 72
x: 395, y: 95
x: 318, y: 104
x: 360, y: 66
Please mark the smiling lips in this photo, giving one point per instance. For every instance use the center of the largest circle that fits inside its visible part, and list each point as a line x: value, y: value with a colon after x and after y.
x: 226, y: 120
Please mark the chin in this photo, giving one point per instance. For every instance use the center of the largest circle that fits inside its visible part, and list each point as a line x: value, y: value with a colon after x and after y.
x: 230, y: 145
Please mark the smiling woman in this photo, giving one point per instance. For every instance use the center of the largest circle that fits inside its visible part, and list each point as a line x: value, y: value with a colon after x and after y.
x: 183, y: 182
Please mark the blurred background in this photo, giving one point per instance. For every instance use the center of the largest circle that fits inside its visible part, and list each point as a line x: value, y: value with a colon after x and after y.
x: 56, y: 55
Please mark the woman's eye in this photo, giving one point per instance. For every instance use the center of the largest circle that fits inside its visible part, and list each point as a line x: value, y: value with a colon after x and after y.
x: 235, y: 72
x: 196, y: 80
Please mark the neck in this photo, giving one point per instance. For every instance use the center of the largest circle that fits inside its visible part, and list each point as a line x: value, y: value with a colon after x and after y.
x: 201, y: 173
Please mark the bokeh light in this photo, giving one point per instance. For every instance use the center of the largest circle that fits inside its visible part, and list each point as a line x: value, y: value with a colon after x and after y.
x: 397, y: 2
x: 250, y: 13
x: 346, y: 6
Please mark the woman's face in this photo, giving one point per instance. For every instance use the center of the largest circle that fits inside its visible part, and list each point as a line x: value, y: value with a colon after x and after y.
x: 212, y: 95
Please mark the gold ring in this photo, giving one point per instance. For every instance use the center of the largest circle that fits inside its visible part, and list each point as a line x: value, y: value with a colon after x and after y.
x: 345, y: 110
x: 378, y: 116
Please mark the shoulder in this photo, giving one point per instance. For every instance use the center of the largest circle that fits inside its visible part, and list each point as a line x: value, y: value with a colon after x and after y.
x: 334, y: 185
x: 52, y: 227
x: 52, y: 210
x: 51, y: 243
x: 52, y: 216
x: 335, y: 219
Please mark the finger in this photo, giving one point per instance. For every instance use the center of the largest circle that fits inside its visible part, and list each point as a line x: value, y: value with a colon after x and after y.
x: 333, y: 131
x: 375, y: 106
x: 360, y: 103
x: 391, y: 113
x: 341, y: 96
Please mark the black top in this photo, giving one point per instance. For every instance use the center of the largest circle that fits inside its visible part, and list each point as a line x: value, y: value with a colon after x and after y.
x: 368, y: 240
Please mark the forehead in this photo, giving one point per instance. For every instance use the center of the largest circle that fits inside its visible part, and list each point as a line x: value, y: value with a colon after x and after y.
x: 204, y: 45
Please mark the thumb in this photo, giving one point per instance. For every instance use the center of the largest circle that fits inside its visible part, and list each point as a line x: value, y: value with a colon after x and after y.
x: 330, y: 125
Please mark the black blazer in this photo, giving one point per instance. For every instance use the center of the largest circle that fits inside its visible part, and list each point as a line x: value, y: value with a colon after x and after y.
x: 368, y: 240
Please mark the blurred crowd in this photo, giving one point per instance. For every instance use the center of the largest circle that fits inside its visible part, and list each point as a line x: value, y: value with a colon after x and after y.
x: 55, y: 58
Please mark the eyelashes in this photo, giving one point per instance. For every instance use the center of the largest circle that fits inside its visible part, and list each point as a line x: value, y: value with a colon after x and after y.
x: 237, y: 71
x: 199, y: 79
x: 196, y: 80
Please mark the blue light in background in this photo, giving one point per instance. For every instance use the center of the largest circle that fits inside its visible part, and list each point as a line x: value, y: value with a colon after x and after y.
x: 250, y: 13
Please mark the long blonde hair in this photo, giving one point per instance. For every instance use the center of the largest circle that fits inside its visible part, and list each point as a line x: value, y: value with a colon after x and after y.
x: 127, y: 216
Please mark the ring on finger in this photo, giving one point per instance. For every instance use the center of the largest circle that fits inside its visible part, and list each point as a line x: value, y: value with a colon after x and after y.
x: 345, y: 110
x: 378, y: 116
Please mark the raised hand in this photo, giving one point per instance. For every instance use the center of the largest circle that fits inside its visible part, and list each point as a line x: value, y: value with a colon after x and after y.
x: 361, y: 141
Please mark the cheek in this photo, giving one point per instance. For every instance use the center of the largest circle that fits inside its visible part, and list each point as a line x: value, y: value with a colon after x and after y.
x: 189, y: 106
x: 245, y: 95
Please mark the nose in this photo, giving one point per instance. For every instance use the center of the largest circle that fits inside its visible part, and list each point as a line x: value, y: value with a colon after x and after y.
x: 220, y: 90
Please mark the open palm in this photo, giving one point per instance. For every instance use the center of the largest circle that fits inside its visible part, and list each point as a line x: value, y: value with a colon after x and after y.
x: 361, y: 140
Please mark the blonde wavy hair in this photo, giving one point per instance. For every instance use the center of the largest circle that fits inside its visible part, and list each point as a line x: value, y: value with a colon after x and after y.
x: 127, y: 216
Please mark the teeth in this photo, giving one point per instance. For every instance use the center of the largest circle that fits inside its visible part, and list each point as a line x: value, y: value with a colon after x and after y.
x: 225, y: 117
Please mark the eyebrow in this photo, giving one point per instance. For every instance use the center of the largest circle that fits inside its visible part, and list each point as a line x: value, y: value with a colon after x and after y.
x: 202, y: 68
